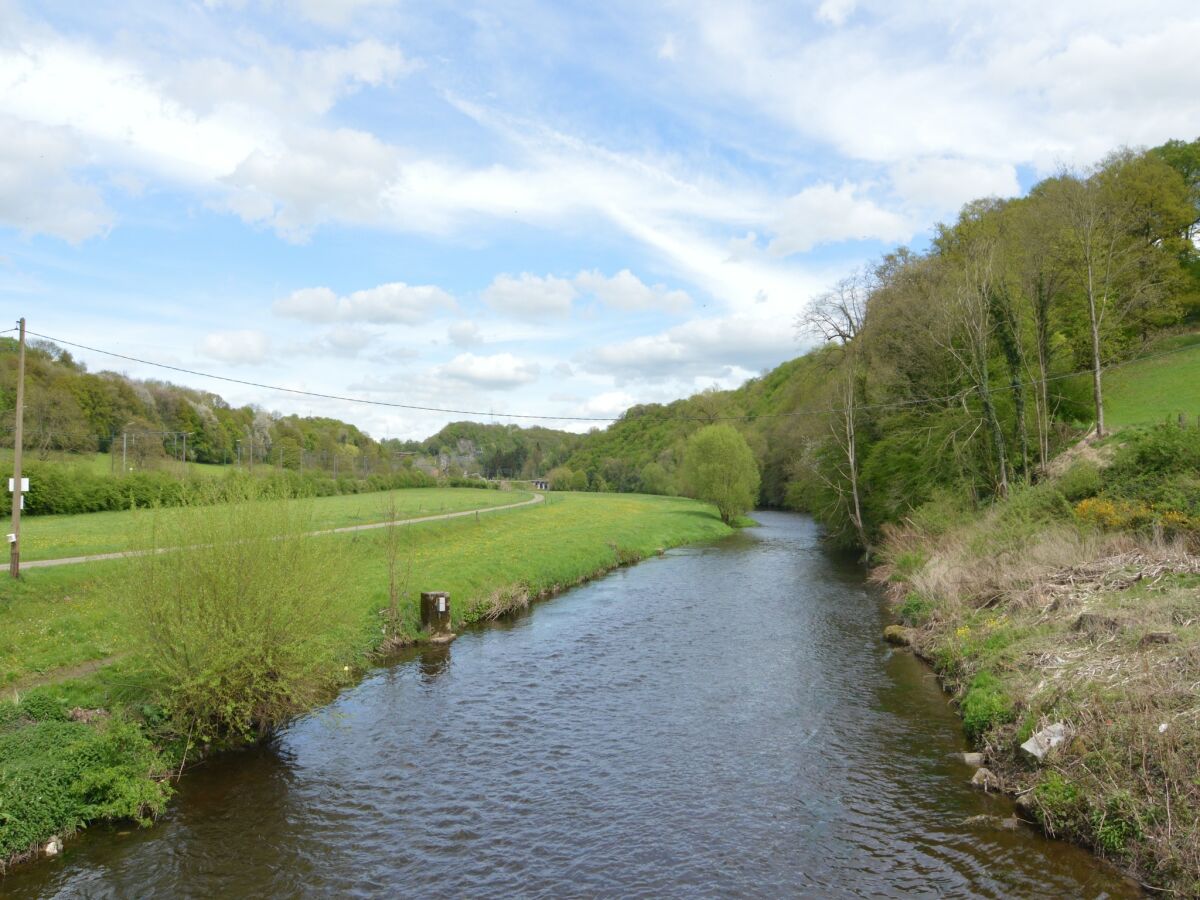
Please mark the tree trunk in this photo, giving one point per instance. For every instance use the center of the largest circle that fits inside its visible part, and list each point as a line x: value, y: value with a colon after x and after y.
x: 1010, y: 345
x: 1097, y: 388
x: 989, y: 412
x: 856, y: 517
x: 1042, y: 327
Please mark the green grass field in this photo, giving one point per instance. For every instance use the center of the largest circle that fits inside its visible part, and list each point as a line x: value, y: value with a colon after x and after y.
x: 67, y: 616
x: 50, y: 537
x: 1154, y: 390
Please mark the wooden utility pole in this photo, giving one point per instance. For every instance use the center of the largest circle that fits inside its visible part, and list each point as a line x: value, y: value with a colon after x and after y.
x: 18, y: 442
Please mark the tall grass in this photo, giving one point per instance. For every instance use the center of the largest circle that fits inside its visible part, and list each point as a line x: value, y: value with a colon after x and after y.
x: 234, y: 612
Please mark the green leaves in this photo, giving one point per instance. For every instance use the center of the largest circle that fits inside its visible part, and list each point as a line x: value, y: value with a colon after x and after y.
x: 719, y: 467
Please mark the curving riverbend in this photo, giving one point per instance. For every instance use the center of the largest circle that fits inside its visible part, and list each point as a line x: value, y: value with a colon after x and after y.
x: 722, y: 721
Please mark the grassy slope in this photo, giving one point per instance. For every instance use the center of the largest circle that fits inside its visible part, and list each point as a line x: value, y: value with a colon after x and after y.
x: 69, y: 616
x: 49, y: 537
x: 1154, y: 390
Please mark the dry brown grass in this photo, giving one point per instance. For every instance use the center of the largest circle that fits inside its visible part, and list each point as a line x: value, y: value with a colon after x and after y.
x: 1098, y: 630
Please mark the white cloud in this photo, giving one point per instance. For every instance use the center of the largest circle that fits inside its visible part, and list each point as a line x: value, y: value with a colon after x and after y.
x: 394, y: 302
x: 668, y: 49
x: 345, y: 341
x: 826, y: 214
x: 245, y: 346
x: 702, y: 348
x: 335, y: 13
x: 322, y: 176
x: 530, y: 296
x: 835, y: 12
x: 500, y: 371
x: 939, y: 186
x: 39, y: 192
x: 111, y: 101
x: 281, y: 79
x: 917, y: 79
x: 607, y: 404
x: 464, y: 334
x: 626, y: 291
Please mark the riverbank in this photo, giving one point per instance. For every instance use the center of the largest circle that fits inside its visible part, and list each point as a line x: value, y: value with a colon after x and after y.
x: 1065, y: 621
x: 117, y: 762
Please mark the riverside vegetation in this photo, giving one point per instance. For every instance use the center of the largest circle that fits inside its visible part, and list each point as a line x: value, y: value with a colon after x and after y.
x: 165, y: 657
x: 937, y: 429
x: 1077, y: 601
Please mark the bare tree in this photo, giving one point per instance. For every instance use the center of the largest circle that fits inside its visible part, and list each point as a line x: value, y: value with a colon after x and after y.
x: 837, y: 316
x: 969, y: 326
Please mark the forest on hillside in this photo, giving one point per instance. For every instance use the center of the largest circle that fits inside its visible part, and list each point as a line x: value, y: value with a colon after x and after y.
x: 960, y: 369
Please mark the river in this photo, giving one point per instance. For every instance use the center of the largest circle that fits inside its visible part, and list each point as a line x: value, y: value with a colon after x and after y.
x: 723, y: 721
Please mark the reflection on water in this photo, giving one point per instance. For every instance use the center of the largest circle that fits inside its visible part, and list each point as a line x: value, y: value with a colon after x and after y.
x: 723, y: 721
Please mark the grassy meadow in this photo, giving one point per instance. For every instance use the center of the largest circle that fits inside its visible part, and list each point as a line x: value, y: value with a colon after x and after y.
x: 51, y: 537
x: 1157, y: 388
x: 64, y: 617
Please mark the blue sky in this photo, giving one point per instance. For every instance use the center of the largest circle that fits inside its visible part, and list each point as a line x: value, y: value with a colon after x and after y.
x: 523, y: 207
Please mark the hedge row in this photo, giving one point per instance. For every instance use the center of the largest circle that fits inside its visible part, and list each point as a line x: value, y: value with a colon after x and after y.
x: 56, y: 489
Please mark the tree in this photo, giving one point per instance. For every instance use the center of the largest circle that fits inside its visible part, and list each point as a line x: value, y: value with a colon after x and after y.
x: 1115, y: 221
x: 719, y: 467
x: 655, y: 479
x: 560, y: 478
x: 838, y: 316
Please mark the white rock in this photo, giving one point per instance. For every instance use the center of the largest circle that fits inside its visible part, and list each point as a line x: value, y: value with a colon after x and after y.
x: 1045, y: 740
x: 1162, y: 729
x: 53, y: 846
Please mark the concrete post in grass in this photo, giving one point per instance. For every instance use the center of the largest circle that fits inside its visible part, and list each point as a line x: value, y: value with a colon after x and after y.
x: 435, y: 615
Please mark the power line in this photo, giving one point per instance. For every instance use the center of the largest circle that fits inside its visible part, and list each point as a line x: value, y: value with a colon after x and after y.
x: 344, y: 399
x: 897, y: 404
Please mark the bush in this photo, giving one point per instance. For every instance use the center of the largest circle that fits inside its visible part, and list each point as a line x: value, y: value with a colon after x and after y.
x: 55, y: 776
x: 235, y: 621
x: 42, y: 707
x: 57, y: 489
x: 915, y: 610
x: 1080, y: 481
x: 985, y: 706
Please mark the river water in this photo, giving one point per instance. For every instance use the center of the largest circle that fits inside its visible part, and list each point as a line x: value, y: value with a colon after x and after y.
x: 724, y: 721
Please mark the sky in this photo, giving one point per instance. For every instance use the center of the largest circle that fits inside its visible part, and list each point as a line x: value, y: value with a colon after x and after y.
x: 523, y: 207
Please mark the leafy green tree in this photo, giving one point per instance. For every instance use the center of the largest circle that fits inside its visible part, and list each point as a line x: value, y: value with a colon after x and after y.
x: 655, y: 479
x: 719, y: 466
x: 560, y: 478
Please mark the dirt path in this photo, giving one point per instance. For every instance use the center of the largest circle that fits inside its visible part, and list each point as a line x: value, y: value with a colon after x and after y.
x: 56, y: 676
x: 97, y: 557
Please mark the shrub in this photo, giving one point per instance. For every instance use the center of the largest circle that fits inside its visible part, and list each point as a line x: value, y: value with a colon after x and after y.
x: 235, y: 621
x: 1058, y: 803
x: 985, y: 706
x: 915, y: 610
x: 42, y: 708
x: 1116, y: 823
x: 55, y: 776
x: 1080, y: 481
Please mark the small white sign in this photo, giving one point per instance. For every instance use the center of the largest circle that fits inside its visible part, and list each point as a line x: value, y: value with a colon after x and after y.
x: 441, y: 604
x: 12, y: 538
x: 12, y: 484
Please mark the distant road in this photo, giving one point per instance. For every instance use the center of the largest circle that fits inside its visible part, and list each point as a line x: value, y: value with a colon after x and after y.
x: 72, y: 560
